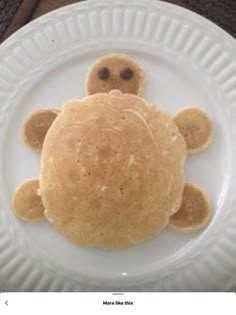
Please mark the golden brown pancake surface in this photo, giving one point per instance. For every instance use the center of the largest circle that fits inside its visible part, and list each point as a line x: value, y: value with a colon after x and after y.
x: 111, y: 170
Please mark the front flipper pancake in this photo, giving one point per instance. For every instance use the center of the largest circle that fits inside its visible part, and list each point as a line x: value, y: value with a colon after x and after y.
x: 35, y: 127
x: 196, y: 128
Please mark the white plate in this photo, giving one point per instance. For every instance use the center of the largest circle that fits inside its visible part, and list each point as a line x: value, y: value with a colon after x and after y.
x: 187, y: 60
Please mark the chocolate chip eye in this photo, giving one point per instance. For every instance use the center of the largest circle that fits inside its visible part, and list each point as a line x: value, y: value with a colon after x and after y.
x: 103, y: 73
x: 126, y: 74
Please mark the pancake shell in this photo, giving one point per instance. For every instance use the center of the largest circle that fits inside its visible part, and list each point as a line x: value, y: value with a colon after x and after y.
x: 111, y: 170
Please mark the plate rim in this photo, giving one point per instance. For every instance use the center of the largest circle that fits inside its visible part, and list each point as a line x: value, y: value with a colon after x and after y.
x: 180, y: 9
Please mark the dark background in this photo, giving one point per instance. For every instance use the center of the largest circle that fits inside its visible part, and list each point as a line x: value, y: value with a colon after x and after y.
x: 16, y: 13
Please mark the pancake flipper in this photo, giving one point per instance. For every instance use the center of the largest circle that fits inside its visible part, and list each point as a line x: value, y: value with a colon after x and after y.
x: 35, y: 127
x: 196, y: 128
x: 195, y: 211
x: 26, y: 202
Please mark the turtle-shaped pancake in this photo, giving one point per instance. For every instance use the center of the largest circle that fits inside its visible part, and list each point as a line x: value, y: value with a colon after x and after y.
x: 112, y: 165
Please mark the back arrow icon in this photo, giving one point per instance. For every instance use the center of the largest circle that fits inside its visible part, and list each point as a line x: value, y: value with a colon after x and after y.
x: 6, y: 302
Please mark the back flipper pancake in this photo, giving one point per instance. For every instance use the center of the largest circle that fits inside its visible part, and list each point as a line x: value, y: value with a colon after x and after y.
x: 26, y: 203
x: 194, y: 212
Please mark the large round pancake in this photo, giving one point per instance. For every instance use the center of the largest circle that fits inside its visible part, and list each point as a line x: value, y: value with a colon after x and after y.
x: 111, y: 170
